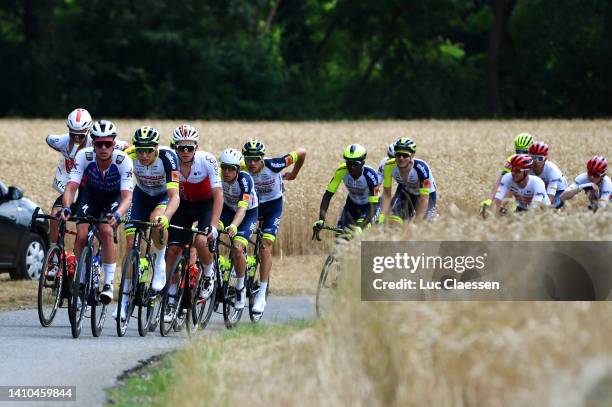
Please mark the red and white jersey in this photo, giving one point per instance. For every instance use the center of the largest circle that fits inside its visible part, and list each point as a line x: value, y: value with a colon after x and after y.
x: 553, y: 178
x: 532, y: 193
x: 203, y: 177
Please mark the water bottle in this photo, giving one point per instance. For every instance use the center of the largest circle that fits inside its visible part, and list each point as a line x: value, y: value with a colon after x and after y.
x: 144, y: 270
x: 96, y: 271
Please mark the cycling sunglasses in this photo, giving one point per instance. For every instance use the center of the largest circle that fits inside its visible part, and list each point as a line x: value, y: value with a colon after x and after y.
x: 252, y: 159
x: 144, y: 150
x: 229, y: 167
x: 592, y: 174
x: 105, y: 144
x: 538, y: 158
x: 186, y: 149
x: 519, y: 170
x: 403, y: 155
x: 78, y: 135
x: 354, y: 163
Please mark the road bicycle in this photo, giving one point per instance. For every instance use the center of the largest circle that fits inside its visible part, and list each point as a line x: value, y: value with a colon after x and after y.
x: 328, y: 279
x: 253, y: 274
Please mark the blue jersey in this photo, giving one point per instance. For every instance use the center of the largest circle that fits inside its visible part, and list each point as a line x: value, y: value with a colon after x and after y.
x: 118, y: 177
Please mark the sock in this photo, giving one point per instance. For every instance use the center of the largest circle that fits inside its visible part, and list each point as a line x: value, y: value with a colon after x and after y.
x: 160, y: 261
x: 263, y: 287
x: 208, y: 270
x: 239, y: 283
x: 159, y: 276
x: 109, y: 273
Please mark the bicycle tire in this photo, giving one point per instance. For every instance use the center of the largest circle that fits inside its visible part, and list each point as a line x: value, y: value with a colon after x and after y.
x: 209, y: 304
x: 252, y: 290
x: 46, y: 314
x: 231, y: 315
x: 327, y: 284
x: 97, y: 320
x: 80, y: 293
x: 194, y: 311
x: 130, y: 267
x: 145, y: 308
x: 166, y: 327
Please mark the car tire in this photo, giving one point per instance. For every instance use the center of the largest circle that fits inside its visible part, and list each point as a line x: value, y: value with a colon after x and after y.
x: 31, y: 259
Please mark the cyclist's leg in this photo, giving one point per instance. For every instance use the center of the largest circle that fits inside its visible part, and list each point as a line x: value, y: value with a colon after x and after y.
x: 109, y: 252
x: 241, y: 241
x: 201, y: 244
x: 398, y: 206
x: 137, y: 211
x: 431, y: 207
x: 270, y: 213
x: 88, y: 206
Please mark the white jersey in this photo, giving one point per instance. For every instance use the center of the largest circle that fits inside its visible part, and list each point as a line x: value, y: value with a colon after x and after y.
x: 532, y: 193
x: 161, y: 175
x: 203, y: 177
x: 269, y: 181
x: 61, y: 143
x: 553, y: 178
x: 605, y: 185
x: 117, y: 177
x: 420, y: 179
x: 240, y: 193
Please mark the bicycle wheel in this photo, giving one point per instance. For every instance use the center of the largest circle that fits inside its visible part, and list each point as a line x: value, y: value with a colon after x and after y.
x: 208, y: 305
x: 50, y: 285
x: 193, y: 306
x: 168, y: 308
x: 252, y: 290
x: 98, y: 314
x: 231, y: 315
x: 328, y: 285
x: 146, y: 302
x: 129, y: 270
x: 79, y: 291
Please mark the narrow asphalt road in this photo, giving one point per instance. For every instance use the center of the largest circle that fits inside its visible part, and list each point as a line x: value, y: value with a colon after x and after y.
x: 35, y: 356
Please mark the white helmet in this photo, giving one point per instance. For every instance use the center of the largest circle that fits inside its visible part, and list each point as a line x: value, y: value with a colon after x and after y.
x: 231, y: 157
x: 103, y: 128
x: 79, y: 121
x: 391, y: 150
x: 185, y: 132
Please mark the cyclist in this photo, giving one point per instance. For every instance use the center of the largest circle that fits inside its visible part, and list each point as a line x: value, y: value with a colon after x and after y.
x: 266, y: 174
x: 155, y: 197
x: 528, y: 190
x: 549, y: 172
x: 105, y: 177
x: 362, y: 184
x: 595, y: 183
x: 381, y: 175
x: 201, y: 200
x: 416, y: 186
x: 239, y: 213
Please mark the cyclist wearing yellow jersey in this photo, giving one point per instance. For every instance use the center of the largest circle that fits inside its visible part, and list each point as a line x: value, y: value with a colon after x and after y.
x: 416, y: 187
x: 362, y: 184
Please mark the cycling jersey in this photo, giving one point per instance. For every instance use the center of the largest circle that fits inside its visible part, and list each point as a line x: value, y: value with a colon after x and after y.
x: 118, y: 176
x: 552, y: 177
x: 533, y: 192
x: 160, y: 175
x: 605, y: 185
x: 61, y: 143
x: 381, y: 170
x: 420, y: 179
x: 269, y: 181
x: 203, y: 177
x: 362, y: 190
x: 240, y: 193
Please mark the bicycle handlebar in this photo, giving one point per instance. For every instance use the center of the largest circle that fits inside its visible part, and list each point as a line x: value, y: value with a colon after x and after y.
x: 316, y: 231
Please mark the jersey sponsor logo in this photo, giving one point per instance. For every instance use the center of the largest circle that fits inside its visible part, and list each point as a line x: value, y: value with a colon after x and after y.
x: 88, y: 156
x: 53, y: 140
x: 423, y: 169
x: 168, y: 155
x: 85, y: 207
x: 120, y: 159
x: 279, y: 165
x: 129, y: 174
x: 246, y: 197
x: 288, y: 160
x: 245, y: 184
x: 426, y: 183
x: 175, y: 176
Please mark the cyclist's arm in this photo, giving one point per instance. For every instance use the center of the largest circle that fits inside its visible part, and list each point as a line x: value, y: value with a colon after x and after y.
x: 217, y: 197
x: 69, y: 193
x: 422, y: 207
x: 57, y: 142
x: 496, y: 185
x: 502, y: 189
x: 327, y: 196
x: 170, y: 162
x: 570, y: 192
x: 239, y: 216
x: 173, y: 202
x: 332, y: 187
x: 298, y: 156
x: 386, y: 202
x: 126, y: 202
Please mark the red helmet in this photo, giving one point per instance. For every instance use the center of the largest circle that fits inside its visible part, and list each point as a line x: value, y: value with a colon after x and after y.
x: 597, y: 165
x: 538, y: 148
x: 521, y: 162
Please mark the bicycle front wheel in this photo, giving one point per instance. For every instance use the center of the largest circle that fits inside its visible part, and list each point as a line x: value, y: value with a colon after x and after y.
x: 252, y: 290
x: 125, y: 302
x: 328, y: 285
x: 231, y: 315
x: 148, y: 304
x: 79, y: 291
x: 50, y: 285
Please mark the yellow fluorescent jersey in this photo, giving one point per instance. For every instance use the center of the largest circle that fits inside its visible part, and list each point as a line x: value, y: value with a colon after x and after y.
x: 160, y: 175
x: 361, y: 190
x: 420, y: 178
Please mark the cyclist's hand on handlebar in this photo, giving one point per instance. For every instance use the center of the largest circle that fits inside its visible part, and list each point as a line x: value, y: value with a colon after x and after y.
x: 162, y: 222
x: 214, y: 233
x: 318, y: 225
x: 114, y: 218
x: 231, y: 230
x: 64, y: 214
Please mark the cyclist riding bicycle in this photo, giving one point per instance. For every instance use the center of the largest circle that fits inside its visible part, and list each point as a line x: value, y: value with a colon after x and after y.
x: 416, y: 187
x: 548, y: 171
x: 362, y: 184
x: 156, y: 194
x: 239, y: 214
x: 266, y: 174
x: 104, y: 175
x: 201, y: 200
x: 528, y: 190
x: 595, y: 183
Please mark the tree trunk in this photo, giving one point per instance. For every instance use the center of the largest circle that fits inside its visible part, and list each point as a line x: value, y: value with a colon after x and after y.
x: 498, y: 41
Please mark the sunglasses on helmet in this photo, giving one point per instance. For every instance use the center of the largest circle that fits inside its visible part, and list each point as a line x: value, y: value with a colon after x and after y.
x: 186, y: 149
x: 538, y: 157
x: 78, y: 135
x: 105, y: 144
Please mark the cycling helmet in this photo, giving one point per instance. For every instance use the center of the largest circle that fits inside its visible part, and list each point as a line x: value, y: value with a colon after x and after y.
x: 523, y: 141
x: 253, y: 148
x: 103, y: 128
x: 185, y: 132
x: 355, y: 152
x: 538, y: 148
x: 391, y: 150
x: 405, y: 144
x: 146, y: 137
x: 597, y: 165
x: 79, y: 121
x: 231, y: 156
x: 522, y: 162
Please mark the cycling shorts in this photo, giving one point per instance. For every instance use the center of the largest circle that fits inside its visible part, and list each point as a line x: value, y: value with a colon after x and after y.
x: 96, y: 204
x: 246, y: 227
x: 270, y: 213
x: 405, y: 204
x: 185, y: 215
x: 352, y: 213
x: 142, y: 206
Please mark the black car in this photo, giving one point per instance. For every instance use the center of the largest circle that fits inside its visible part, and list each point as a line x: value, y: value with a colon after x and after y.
x: 22, y: 249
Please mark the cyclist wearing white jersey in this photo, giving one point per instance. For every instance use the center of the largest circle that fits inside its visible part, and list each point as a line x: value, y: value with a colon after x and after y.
x: 362, y: 184
x: 548, y: 171
x: 528, y: 190
x: 268, y: 179
x: 416, y: 186
x: 239, y: 214
x: 595, y: 183
x: 104, y: 175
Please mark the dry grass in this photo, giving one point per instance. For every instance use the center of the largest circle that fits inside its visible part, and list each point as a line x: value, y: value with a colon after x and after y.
x: 17, y: 294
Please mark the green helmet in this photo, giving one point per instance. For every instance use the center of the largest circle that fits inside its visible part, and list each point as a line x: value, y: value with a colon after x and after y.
x: 523, y: 141
x: 355, y: 152
x: 405, y: 145
x: 146, y: 137
x: 253, y: 148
